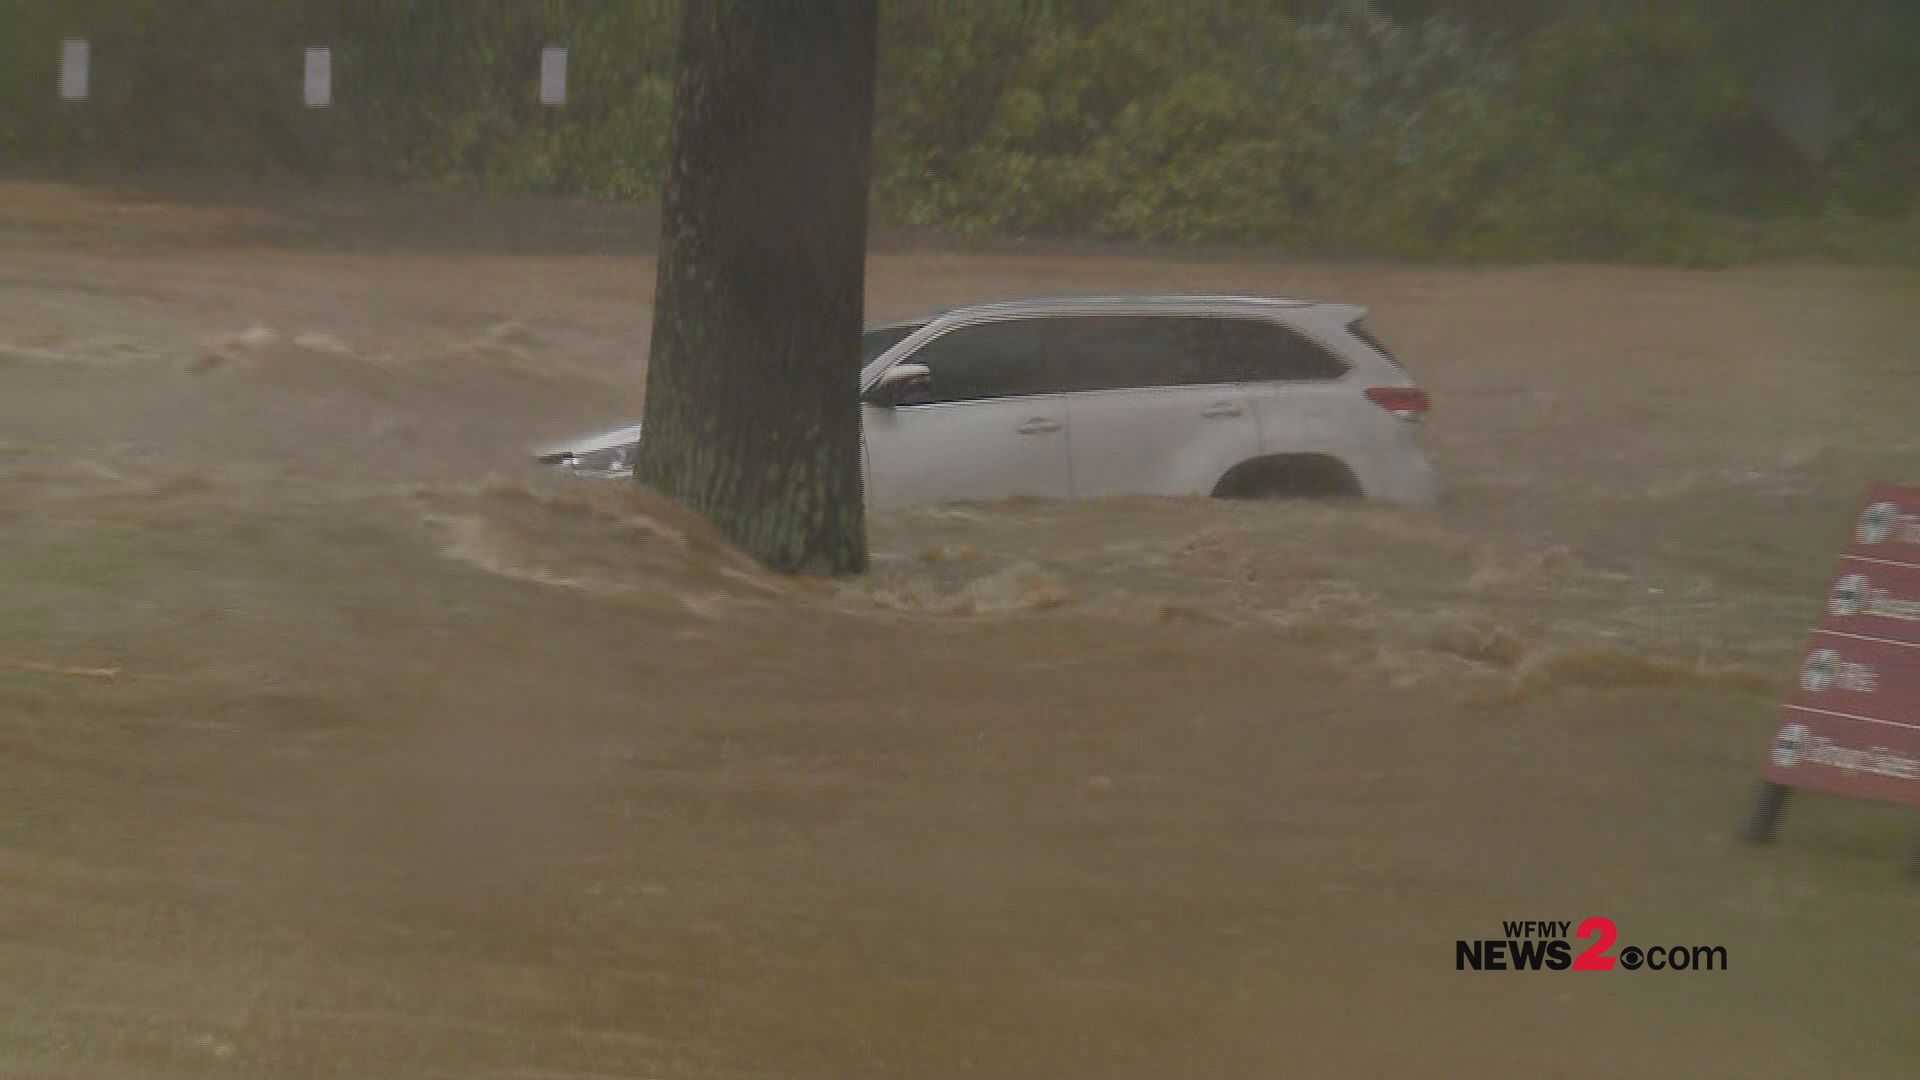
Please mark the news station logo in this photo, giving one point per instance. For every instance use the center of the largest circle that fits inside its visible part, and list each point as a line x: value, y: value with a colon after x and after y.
x: 1854, y: 594
x: 1796, y: 744
x: 1550, y: 946
x: 1876, y: 523
x: 1848, y: 594
x: 1816, y: 675
x: 1826, y: 669
x: 1790, y: 745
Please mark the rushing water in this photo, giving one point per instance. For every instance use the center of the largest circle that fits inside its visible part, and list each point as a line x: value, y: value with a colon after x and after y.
x: 341, y: 741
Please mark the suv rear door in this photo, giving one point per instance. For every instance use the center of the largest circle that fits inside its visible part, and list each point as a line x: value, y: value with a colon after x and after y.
x: 985, y: 429
x: 1153, y: 410
x: 1292, y: 383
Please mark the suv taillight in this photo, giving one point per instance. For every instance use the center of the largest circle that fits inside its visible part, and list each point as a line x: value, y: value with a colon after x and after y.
x: 1404, y: 402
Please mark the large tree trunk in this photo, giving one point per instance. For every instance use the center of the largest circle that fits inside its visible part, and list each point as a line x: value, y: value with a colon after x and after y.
x: 751, y: 414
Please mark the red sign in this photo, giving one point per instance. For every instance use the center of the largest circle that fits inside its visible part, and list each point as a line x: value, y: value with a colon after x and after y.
x: 1853, y: 724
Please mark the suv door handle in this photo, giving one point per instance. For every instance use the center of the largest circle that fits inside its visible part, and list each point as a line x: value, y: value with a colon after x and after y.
x: 1037, y: 425
x: 1219, y: 409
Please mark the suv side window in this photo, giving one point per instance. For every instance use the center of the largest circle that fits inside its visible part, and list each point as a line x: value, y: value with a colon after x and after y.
x: 1115, y: 352
x: 1255, y: 350
x: 1358, y: 328
x: 984, y: 361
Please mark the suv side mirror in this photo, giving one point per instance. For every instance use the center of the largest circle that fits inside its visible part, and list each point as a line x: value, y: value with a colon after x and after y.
x: 901, y: 384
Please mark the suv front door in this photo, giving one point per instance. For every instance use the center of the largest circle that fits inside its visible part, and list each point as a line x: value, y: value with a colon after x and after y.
x: 980, y: 428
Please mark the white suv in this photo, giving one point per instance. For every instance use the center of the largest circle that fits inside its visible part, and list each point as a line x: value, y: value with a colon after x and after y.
x: 1096, y: 397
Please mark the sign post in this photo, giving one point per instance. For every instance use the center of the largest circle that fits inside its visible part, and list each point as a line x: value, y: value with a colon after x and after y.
x: 1852, y: 726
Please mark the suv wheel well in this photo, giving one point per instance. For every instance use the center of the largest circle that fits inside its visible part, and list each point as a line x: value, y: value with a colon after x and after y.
x: 1287, y: 476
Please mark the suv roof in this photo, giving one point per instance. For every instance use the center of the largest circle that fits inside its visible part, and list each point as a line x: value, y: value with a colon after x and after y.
x: 1170, y: 301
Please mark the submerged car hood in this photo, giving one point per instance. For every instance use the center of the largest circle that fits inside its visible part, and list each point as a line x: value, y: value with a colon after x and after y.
x: 608, y: 439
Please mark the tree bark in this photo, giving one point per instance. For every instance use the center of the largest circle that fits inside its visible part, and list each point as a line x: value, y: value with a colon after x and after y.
x: 752, y: 417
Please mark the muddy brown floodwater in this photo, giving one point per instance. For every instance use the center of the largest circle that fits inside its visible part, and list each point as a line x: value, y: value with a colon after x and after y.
x: 337, y: 741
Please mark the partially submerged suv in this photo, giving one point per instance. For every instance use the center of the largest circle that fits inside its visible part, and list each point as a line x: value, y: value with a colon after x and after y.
x: 1095, y: 397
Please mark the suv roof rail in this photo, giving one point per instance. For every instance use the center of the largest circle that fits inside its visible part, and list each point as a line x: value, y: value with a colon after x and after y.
x: 1043, y: 303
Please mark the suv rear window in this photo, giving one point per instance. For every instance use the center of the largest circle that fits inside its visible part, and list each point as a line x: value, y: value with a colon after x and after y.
x: 1358, y: 328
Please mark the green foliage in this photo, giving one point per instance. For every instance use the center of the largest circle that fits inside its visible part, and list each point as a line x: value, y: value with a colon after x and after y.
x: 1427, y: 128
x: 1342, y: 132
x: 1605, y: 149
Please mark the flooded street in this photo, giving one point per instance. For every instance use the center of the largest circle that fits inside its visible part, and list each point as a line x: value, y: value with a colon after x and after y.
x: 338, y: 740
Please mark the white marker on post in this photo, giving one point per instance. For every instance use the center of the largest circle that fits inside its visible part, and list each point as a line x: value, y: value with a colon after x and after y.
x: 319, y: 77
x: 75, y: 57
x: 553, y: 75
